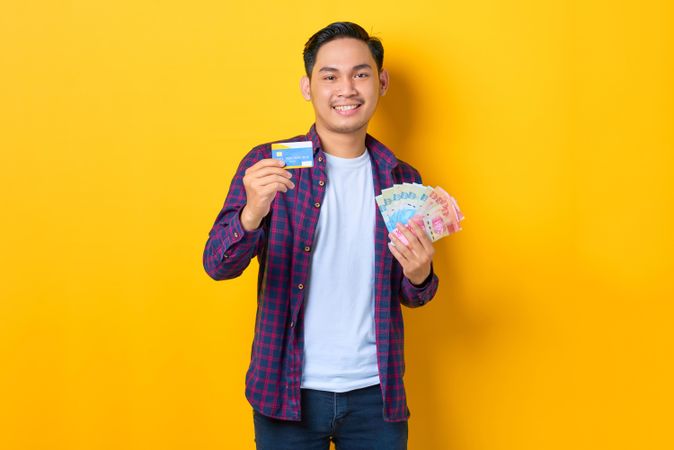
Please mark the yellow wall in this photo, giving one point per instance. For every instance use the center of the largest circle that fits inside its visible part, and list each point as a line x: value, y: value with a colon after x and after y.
x: 550, y: 122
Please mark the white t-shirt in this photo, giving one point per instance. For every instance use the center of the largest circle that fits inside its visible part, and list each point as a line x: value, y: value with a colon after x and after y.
x: 340, y: 352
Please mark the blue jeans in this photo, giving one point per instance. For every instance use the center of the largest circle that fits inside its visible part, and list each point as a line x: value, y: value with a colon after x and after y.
x: 352, y: 420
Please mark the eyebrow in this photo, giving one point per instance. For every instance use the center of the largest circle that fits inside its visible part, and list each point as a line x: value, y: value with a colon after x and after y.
x: 333, y: 69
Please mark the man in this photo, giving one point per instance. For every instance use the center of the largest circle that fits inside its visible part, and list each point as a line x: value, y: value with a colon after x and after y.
x: 327, y: 359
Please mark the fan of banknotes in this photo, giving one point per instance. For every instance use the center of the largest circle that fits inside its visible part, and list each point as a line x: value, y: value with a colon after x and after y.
x: 433, y: 208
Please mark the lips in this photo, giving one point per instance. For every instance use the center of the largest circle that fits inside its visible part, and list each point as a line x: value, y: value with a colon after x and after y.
x: 348, y: 109
x: 345, y: 107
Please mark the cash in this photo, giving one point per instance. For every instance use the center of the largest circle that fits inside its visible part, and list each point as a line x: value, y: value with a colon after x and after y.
x: 432, y: 208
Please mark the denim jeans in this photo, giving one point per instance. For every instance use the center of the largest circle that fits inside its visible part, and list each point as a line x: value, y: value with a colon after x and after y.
x: 352, y: 420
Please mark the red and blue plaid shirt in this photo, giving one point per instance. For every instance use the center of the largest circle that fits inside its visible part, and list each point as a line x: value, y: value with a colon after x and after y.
x: 283, y: 244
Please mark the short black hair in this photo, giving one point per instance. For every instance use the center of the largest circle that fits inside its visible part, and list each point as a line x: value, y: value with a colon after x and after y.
x: 338, y: 30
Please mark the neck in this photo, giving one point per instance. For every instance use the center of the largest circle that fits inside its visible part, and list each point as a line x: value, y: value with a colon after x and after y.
x: 343, y: 145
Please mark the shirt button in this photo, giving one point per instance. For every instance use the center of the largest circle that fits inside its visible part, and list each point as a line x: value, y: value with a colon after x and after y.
x: 300, y: 286
x: 236, y: 235
x: 292, y: 325
x: 320, y: 159
x: 307, y: 248
x: 321, y: 183
x: 317, y: 205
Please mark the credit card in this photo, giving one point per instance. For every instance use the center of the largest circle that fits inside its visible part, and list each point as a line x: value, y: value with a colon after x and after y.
x: 296, y: 155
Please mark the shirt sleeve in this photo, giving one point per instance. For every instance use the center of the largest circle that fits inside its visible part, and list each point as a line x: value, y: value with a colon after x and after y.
x: 229, y: 248
x: 414, y: 296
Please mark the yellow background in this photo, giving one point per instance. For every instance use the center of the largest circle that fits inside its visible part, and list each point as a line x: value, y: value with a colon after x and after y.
x: 550, y: 122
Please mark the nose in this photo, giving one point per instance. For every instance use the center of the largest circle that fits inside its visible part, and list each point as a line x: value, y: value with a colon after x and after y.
x: 347, y: 87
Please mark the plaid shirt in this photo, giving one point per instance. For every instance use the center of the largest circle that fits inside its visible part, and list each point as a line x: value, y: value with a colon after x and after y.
x: 283, y: 246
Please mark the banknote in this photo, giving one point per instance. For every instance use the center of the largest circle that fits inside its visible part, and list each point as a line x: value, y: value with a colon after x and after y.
x: 432, y: 208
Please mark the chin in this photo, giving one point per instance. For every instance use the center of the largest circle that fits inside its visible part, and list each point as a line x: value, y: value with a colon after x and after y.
x: 346, y: 126
x: 349, y: 128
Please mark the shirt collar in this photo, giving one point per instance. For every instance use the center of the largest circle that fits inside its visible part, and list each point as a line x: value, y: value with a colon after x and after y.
x: 378, y: 151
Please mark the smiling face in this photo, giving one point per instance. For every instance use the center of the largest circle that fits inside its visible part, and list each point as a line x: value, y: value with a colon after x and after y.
x: 345, y: 86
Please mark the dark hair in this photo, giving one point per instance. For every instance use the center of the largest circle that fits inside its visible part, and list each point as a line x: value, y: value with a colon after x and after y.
x: 341, y: 30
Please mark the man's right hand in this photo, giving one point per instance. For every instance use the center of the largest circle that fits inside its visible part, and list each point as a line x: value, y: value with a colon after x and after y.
x: 262, y: 181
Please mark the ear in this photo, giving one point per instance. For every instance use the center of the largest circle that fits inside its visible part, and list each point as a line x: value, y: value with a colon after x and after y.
x: 305, y: 87
x: 383, y: 82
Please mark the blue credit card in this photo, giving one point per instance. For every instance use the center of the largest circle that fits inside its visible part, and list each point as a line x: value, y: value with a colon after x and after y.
x: 296, y: 155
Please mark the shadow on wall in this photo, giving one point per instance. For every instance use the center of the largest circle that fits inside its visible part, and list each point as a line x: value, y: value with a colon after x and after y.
x: 454, y: 327
x: 402, y: 123
x: 455, y: 332
x: 397, y: 115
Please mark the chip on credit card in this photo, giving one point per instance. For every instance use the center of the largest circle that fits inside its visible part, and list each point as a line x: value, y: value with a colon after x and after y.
x: 296, y: 155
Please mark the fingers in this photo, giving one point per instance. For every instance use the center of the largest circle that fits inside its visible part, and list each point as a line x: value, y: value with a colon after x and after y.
x: 419, y: 230
x: 267, y: 175
x: 416, y: 256
x: 267, y: 162
x: 274, y: 179
x: 399, y: 250
x: 266, y: 186
x: 267, y: 192
x: 412, y: 240
x: 266, y: 171
x: 396, y: 253
x: 418, y: 247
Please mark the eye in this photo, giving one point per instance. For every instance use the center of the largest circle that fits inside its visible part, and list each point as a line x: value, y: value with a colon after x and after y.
x: 362, y: 75
x: 329, y: 77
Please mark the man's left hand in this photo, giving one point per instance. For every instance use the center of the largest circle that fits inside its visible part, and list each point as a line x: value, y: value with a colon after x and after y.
x: 416, y: 256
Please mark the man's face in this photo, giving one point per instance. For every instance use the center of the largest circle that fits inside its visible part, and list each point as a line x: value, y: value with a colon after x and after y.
x: 344, y: 87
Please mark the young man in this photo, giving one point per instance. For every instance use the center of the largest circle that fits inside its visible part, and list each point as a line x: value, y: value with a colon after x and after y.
x: 327, y: 359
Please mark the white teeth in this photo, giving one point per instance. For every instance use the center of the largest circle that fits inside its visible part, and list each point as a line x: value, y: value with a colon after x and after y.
x: 346, y: 108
